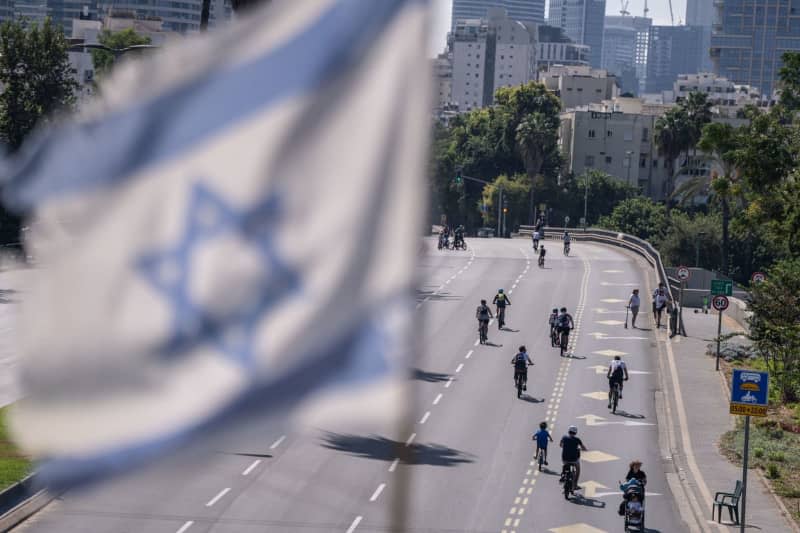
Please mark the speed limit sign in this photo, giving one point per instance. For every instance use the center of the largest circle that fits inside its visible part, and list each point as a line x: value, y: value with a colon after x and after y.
x: 720, y: 303
x: 758, y: 277
x: 684, y: 273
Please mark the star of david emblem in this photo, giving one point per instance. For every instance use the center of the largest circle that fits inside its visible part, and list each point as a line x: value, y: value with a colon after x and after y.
x: 209, y: 217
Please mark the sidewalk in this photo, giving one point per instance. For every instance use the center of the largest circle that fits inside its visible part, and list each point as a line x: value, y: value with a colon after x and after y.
x: 706, y: 398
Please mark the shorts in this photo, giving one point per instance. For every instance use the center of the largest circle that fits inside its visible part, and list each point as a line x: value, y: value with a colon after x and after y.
x: 561, y: 329
x: 613, y: 380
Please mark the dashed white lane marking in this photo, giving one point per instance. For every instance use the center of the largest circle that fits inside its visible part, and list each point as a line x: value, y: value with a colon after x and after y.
x: 477, y: 342
x: 459, y: 367
x: 469, y: 354
x: 185, y: 526
x: 510, y: 291
x: 394, y: 464
x: 355, y: 523
x: 411, y: 439
x: 377, y: 492
x: 277, y: 442
x: 219, y: 496
x: 251, y: 467
x: 439, y: 397
x: 449, y: 382
x: 425, y: 417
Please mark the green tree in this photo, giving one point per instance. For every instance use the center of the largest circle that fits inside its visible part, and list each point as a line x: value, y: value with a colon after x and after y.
x: 603, y: 193
x: 37, y: 80
x: 775, y: 326
x: 537, y: 134
x: 689, y: 234
x: 103, y: 60
x: 637, y: 216
x: 515, y: 192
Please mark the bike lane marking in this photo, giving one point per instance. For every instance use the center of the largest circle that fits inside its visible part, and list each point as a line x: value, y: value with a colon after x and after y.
x: 513, y: 519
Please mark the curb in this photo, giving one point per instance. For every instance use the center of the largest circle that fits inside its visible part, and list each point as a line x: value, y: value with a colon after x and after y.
x: 20, y: 501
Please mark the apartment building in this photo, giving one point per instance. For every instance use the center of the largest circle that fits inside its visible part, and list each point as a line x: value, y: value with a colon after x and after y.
x: 579, y: 85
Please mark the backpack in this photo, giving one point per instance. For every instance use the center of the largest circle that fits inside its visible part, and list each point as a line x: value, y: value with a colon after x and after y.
x: 563, y: 320
x: 519, y: 360
x: 618, y: 372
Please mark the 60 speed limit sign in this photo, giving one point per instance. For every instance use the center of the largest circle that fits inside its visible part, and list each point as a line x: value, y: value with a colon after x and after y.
x: 720, y: 303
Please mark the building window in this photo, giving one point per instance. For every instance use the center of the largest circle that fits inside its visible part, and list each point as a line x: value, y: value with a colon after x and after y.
x: 467, y: 83
x: 655, y: 163
x: 477, y: 56
x: 501, y: 76
x: 642, y: 161
x: 608, y: 160
x: 609, y: 133
x: 502, y: 57
x: 476, y: 74
x: 591, y: 134
x: 589, y: 161
x: 628, y: 135
x: 580, y: 89
x: 645, y: 134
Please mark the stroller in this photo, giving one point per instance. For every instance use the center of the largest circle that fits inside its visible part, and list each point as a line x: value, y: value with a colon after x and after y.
x: 632, y: 506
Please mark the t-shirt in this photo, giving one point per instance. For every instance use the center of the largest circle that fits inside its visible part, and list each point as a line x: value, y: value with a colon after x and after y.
x: 634, y: 302
x: 541, y: 436
x: 483, y: 312
x: 661, y: 300
x: 554, y: 319
x: 617, y: 369
x: 570, y: 448
x: 564, y: 320
x: 535, y: 235
x: 521, y: 361
x: 501, y: 300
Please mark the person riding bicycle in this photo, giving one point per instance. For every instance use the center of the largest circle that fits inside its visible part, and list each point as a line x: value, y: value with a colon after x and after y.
x: 542, y: 437
x: 483, y: 314
x: 617, y: 373
x: 542, y: 252
x: 521, y: 361
x: 459, y: 236
x: 565, y: 323
x: 571, y: 447
x: 553, y: 321
x: 501, y: 300
x: 566, y: 238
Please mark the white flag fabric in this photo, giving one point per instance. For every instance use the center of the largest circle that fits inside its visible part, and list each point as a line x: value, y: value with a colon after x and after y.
x: 232, y: 226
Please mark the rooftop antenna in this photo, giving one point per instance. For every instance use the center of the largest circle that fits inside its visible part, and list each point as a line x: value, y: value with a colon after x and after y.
x: 624, y: 11
x: 671, y: 16
x: 646, y: 9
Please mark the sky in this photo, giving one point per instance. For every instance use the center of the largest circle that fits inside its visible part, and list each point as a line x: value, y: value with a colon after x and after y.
x: 659, y: 12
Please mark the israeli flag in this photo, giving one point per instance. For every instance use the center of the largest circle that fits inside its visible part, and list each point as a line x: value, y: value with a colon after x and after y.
x: 232, y: 227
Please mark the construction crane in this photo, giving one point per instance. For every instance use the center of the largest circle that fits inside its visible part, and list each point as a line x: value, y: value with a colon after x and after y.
x: 646, y: 10
x: 671, y: 17
x: 624, y: 11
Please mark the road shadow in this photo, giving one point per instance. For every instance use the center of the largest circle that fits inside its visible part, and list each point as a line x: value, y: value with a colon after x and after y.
x: 573, y: 356
x: 383, y: 449
x: 546, y: 470
x: 626, y: 414
x: 430, y: 377
x: 245, y: 454
x: 4, y: 293
x: 580, y: 499
x: 490, y: 343
x: 436, y: 296
x: 504, y: 328
x: 531, y: 399
x: 641, y: 329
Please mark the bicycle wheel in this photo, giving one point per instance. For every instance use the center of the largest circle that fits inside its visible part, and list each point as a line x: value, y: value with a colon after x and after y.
x: 519, y: 386
x: 541, y: 459
x: 564, y: 343
x: 614, y: 398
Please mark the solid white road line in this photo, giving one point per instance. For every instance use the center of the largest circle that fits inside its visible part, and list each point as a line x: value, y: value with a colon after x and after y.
x: 251, y: 467
x: 425, y: 417
x: 377, y: 492
x: 185, y: 526
x: 277, y: 442
x: 439, y: 397
x: 355, y: 523
x: 216, y: 498
x: 393, y: 466
x: 411, y: 439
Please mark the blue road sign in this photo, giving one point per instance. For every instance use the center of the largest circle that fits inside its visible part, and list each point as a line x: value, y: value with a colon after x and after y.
x: 749, y: 392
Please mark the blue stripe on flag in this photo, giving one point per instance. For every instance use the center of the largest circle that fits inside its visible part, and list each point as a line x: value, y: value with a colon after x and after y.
x: 79, y: 156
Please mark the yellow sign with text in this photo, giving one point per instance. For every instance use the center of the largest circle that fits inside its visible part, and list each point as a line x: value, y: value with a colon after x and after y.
x: 748, y: 410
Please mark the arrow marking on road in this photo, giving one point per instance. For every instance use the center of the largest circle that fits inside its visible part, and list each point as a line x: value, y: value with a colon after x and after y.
x: 596, y: 395
x: 604, y: 311
x: 610, y: 353
x: 590, y: 488
x: 599, y: 335
x: 610, y: 322
x: 612, y: 300
x: 609, y: 284
x: 577, y: 528
x: 594, y: 420
x: 613, y: 271
x: 595, y: 456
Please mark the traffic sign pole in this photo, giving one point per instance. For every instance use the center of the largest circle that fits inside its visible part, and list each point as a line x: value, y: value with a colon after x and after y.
x: 680, y: 312
x: 719, y: 333
x: 743, y: 520
x: 720, y: 303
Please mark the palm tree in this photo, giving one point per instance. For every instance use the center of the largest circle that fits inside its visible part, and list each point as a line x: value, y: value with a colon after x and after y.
x: 535, y: 136
x: 671, y: 139
x: 719, y: 142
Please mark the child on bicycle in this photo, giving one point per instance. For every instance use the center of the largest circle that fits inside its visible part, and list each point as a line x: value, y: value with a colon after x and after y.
x: 541, y: 437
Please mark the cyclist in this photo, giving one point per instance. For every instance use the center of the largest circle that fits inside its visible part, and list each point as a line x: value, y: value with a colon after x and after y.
x: 617, y: 373
x: 501, y: 300
x: 521, y: 362
x: 542, y: 252
x: 565, y: 323
x: 541, y: 437
x: 566, y: 238
x: 483, y: 314
x: 536, y: 236
x: 459, y: 236
x: 553, y: 321
x: 571, y: 447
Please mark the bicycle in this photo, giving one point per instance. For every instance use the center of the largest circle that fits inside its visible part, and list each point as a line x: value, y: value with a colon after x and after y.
x: 501, y: 317
x: 483, y: 331
x: 564, y: 342
x: 614, y: 396
x: 519, y: 381
x: 540, y: 458
x: 566, y: 248
x: 541, y: 261
x: 553, y: 337
x: 569, y: 480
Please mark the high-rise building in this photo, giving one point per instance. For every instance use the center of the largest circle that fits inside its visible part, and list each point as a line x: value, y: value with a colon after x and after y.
x: 555, y: 48
x: 701, y: 13
x: 488, y: 53
x: 750, y: 36
x: 583, y: 22
x: 672, y: 51
x: 625, y: 42
x: 522, y: 10
x: 181, y: 17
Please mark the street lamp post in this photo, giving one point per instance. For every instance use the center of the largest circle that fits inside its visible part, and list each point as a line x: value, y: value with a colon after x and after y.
x: 500, y: 214
x: 585, y: 199
x: 697, y: 248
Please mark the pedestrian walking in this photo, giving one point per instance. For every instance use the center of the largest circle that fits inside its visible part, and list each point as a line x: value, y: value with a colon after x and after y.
x: 633, y: 305
x: 673, y: 319
x: 660, y: 300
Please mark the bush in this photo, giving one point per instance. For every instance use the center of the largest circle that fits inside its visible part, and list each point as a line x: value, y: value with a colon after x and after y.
x: 758, y: 453
x: 777, y: 457
x: 772, y: 471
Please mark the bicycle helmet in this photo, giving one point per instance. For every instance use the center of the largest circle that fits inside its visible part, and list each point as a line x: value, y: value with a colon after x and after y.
x: 618, y: 358
x: 572, y: 430
x: 500, y: 291
x: 555, y: 310
x: 563, y: 309
x: 483, y: 302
